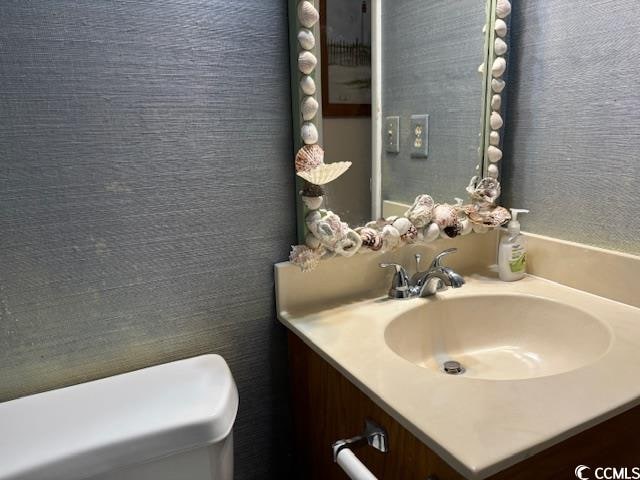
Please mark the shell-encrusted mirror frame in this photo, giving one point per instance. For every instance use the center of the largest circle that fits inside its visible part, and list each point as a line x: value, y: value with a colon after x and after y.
x: 325, y: 234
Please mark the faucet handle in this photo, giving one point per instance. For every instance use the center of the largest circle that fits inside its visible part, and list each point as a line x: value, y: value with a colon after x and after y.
x: 400, y: 284
x: 397, y: 266
x: 444, y: 253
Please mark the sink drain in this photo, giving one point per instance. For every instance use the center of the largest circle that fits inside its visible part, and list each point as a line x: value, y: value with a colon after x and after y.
x: 453, y: 368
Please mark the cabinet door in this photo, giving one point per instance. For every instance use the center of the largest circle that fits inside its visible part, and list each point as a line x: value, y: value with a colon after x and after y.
x: 327, y: 407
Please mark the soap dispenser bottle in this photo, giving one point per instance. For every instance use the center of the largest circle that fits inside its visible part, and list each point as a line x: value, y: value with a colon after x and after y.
x: 512, y: 253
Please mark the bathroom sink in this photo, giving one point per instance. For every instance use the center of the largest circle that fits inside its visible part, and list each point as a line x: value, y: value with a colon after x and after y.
x: 499, y: 337
x: 542, y: 361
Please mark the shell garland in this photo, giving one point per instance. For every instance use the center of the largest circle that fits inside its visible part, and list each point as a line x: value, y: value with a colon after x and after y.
x: 499, y: 66
x: 424, y: 222
x: 309, y: 160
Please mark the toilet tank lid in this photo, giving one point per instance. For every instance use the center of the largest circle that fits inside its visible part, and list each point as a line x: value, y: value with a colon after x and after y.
x: 91, y: 428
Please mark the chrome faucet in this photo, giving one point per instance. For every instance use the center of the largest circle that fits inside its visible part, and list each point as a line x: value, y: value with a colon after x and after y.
x: 400, y: 285
x: 426, y: 283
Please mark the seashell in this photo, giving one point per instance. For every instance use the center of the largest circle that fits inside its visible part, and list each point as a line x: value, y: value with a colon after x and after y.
x: 401, y: 224
x: 498, y: 67
x: 487, y: 190
x: 481, y: 69
x: 349, y: 245
x: 306, y: 39
x: 494, y: 154
x: 500, y: 46
x: 497, y: 85
x: 501, y: 27
x: 390, y: 238
x: 311, y: 190
x: 496, y: 102
x: 493, y: 171
x: 312, y: 242
x: 495, y: 120
x: 470, y: 189
x: 304, y: 257
x: 494, y: 138
x: 410, y: 235
x: 309, y: 133
x: 391, y: 219
x: 466, y: 226
x: 327, y: 227
x: 307, y: 85
x: 452, y: 231
x: 445, y: 215
x: 500, y: 215
x: 503, y: 8
x: 307, y: 14
x: 370, y: 238
x: 307, y: 61
x: 430, y: 233
x: 325, y: 173
x: 308, y: 158
x: 312, y: 203
x: 308, y: 108
x: 492, y: 218
x: 421, y: 211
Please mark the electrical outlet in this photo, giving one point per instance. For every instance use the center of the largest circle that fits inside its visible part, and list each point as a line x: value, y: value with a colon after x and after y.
x: 390, y: 134
x: 419, y: 135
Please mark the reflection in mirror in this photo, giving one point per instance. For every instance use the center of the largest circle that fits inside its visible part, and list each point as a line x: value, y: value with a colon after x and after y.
x: 430, y: 57
x: 345, y: 29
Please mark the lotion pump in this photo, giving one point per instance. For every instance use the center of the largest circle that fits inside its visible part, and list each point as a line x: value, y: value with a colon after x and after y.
x: 512, y: 254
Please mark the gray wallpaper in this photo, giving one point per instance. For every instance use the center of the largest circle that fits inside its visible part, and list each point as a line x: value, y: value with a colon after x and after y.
x: 572, y: 143
x: 146, y: 189
x: 431, y: 52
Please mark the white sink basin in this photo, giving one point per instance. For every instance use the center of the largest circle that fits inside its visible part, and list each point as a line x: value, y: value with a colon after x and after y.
x: 499, y: 337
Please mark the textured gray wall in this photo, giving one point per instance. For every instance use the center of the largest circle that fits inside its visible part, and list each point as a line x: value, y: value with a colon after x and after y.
x: 572, y: 142
x: 146, y: 189
x: 431, y: 52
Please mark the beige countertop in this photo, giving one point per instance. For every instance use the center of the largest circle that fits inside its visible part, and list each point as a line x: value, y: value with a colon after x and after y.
x: 478, y: 426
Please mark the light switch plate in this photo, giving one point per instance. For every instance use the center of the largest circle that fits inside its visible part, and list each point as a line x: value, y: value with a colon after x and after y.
x: 390, y: 134
x: 419, y: 136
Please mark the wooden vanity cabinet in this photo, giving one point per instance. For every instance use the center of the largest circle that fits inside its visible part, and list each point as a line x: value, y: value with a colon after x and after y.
x: 328, y: 407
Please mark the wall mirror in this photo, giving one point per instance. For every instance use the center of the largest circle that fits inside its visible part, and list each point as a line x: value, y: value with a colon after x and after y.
x: 397, y: 111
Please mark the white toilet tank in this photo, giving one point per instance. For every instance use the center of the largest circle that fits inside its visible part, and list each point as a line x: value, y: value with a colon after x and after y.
x: 168, y: 422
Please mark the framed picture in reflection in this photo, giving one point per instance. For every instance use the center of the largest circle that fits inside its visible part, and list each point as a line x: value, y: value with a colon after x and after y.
x: 345, y: 29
